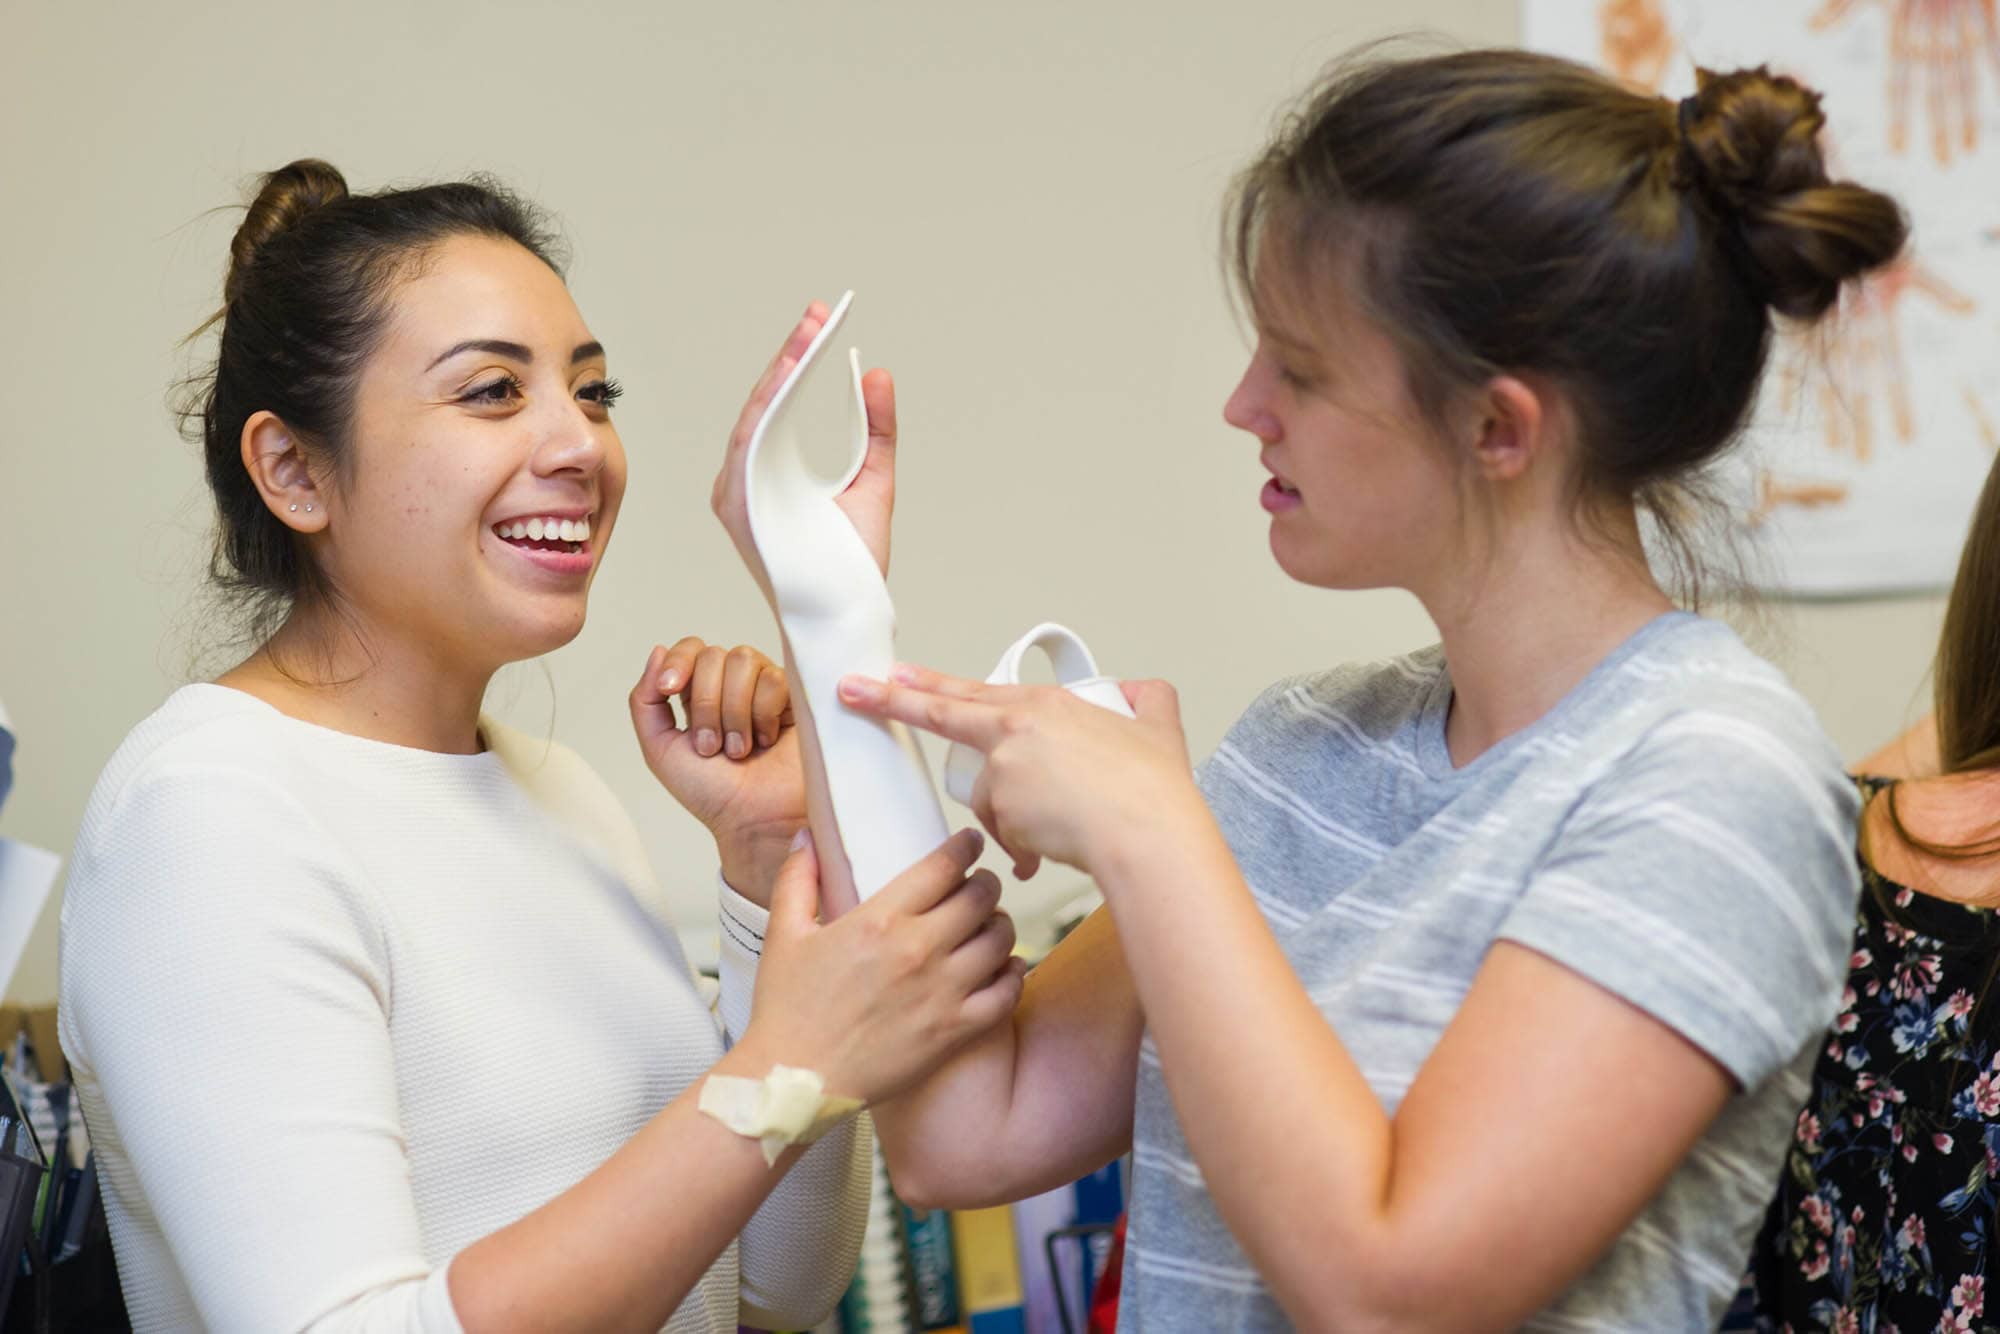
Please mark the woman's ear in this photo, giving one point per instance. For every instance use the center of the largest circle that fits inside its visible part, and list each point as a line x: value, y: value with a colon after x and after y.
x: 1512, y: 428
x: 277, y: 468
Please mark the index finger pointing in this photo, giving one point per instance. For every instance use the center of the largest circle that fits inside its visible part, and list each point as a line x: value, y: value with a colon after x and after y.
x: 972, y: 722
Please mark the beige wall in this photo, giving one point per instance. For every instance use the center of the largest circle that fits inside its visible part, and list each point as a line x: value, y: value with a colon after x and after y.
x: 1023, y: 194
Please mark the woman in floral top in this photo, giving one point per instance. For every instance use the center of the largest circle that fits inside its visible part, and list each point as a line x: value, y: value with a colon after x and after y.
x: 1884, y: 1219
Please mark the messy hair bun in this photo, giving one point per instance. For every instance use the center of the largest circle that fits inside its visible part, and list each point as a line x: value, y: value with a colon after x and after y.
x: 284, y: 197
x: 1750, y: 144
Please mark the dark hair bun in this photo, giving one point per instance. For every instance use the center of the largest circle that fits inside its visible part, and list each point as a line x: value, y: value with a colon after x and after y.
x: 283, y: 198
x: 1751, y: 141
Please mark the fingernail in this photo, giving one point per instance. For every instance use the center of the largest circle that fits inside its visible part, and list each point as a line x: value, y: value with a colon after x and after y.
x: 903, y: 673
x: 670, y: 679
x: 802, y: 839
x: 978, y: 842
x: 705, y: 741
x: 858, y: 688
x: 736, y: 746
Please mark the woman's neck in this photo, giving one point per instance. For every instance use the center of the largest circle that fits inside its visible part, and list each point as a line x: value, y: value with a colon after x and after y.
x: 1527, y: 622
x: 330, y: 670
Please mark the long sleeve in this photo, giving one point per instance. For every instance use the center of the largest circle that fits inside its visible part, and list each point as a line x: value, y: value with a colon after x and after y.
x: 798, y: 1253
x: 226, y: 990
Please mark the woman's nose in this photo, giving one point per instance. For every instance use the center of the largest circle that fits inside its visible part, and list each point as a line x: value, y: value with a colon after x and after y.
x: 574, y: 443
x: 1247, y: 407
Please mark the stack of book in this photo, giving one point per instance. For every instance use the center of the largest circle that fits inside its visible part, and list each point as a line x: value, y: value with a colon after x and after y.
x: 1026, y: 1268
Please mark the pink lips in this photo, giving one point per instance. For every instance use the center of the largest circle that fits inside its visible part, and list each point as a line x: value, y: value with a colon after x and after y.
x: 568, y: 564
x: 566, y: 560
x: 1278, y: 500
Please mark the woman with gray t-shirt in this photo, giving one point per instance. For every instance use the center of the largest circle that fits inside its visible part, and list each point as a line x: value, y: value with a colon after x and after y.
x: 1461, y: 990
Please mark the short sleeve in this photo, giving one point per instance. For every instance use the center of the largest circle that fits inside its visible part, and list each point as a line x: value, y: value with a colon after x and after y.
x: 1708, y: 877
x: 227, y: 991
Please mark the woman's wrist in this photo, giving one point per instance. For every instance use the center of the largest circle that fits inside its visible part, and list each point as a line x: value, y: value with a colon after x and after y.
x: 1174, y: 827
x: 751, y: 858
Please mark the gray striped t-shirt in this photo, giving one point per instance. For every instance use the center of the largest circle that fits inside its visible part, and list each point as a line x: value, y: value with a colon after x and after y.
x: 1677, y: 829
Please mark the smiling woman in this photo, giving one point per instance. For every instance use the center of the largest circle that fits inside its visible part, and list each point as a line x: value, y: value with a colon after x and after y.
x: 323, y: 910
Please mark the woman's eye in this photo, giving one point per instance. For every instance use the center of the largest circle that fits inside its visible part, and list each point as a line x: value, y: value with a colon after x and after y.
x: 604, y: 393
x: 502, y: 390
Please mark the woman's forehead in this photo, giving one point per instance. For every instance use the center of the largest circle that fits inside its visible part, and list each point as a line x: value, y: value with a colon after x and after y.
x: 485, y: 288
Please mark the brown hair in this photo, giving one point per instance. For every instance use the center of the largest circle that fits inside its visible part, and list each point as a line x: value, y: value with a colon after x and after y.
x: 311, y: 271
x: 1501, y: 210
x: 1966, y: 679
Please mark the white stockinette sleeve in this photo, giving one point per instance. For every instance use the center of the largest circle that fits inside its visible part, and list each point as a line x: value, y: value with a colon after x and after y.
x: 798, y: 1253
x: 255, y: 1087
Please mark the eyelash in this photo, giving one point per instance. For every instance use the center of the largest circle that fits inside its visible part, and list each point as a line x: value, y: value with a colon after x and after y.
x: 604, y: 393
x: 485, y: 392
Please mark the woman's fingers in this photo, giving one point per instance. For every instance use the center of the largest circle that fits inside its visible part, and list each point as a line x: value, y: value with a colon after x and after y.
x: 1026, y: 863
x: 961, y: 914
x: 741, y: 668
x: 981, y: 955
x: 935, y: 877
x: 969, y: 720
x: 702, y: 698
x: 676, y: 665
x: 771, y: 705
x: 652, y: 712
x: 992, y: 1003
x: 766, y: 388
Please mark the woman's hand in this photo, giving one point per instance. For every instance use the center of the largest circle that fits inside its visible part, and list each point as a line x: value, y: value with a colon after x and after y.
x: 731, y: 757
x: 868, y: 499
x: 1064, y: 778
x: 877, y: 998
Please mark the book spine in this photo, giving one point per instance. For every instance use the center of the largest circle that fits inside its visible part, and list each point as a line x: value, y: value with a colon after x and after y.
x: 933, y: 1278
x: 989, y: 1271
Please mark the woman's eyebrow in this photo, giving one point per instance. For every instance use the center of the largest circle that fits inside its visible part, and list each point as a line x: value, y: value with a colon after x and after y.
x: 498, y: 346
x: 514, y: 351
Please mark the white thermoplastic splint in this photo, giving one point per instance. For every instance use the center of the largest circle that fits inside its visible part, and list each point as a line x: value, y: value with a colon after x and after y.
x: 835, y: 612
x: 834, y: 609
x: 1076, y: 672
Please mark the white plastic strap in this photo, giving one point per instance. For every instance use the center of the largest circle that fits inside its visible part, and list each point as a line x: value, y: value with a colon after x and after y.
x: 1076, y: 672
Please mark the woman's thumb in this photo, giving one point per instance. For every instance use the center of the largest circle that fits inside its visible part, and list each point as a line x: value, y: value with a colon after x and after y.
x: 795, y: 892
x: 1153, y: 701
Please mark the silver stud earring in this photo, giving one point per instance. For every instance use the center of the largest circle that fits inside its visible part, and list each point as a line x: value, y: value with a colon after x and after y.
x: 295, y: 509
x: 309, y: 509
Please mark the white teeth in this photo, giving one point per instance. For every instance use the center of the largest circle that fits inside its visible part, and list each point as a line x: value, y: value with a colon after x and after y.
x: 553, y: 529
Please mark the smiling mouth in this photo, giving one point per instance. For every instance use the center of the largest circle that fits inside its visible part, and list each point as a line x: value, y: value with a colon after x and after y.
x: 545, y: 534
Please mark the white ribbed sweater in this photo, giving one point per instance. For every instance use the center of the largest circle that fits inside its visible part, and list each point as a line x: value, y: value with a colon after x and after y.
x: 338, y: 1008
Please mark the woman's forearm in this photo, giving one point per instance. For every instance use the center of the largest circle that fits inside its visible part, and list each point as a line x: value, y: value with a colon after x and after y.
x: 623, y: 1247
x: 1546, y: 1116
x: 1293, y: 1143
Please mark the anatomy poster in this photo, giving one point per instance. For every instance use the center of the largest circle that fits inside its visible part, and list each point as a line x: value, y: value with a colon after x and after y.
x: 1876, y: 431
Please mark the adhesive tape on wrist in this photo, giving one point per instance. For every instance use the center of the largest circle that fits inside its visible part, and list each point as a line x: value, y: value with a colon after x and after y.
x: 788, y: 1106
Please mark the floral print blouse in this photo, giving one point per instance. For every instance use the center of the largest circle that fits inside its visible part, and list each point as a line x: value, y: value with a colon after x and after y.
x: 1884, y: 1219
